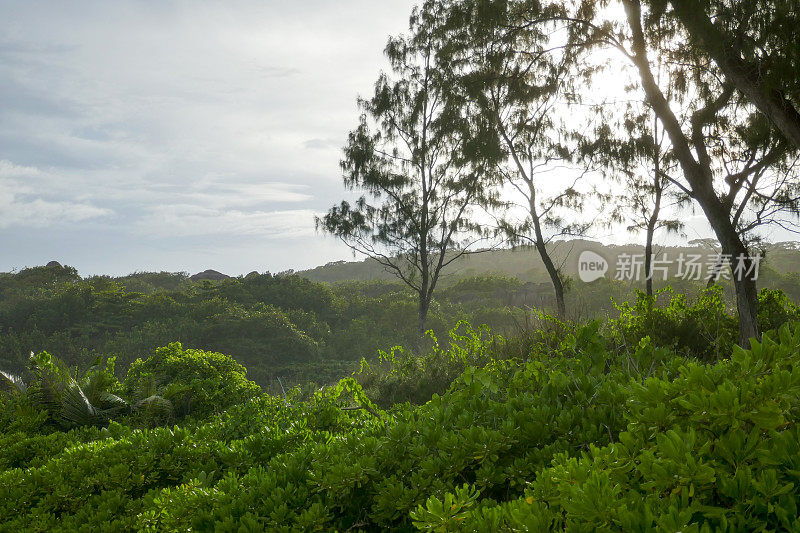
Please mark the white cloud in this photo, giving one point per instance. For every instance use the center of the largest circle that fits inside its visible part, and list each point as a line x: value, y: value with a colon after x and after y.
x: 128, y: 125
x: 192, y: 220
x: 323, y: 144
x: 10, y: 170
x: 19, y: 207
x: 250, y: 194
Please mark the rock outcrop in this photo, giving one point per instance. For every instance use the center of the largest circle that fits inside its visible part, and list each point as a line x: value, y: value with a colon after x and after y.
x: 211, y: 275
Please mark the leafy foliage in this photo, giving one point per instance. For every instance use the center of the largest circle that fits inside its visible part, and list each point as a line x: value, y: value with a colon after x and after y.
x: 564, y: 429
x: 194, y: 381
x: 703, y: 328
x: 71, y: 400
x: 714, y: 449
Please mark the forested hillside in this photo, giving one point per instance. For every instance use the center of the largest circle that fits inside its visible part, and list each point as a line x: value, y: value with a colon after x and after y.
x: 526, y: 264
x: 277, y: 326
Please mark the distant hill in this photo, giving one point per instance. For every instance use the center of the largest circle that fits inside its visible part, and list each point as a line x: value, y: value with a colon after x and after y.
x: 524, y: 262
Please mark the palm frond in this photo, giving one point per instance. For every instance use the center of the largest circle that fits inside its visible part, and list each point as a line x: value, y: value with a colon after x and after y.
x: 156, y: 408
x: 76, y: 409
x: 48, y: 388
x: 12, y: 382
x: 109, y: 403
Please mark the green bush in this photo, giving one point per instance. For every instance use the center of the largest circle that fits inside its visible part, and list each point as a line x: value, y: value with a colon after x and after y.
x: 195, y: 381
x: 715, y: 449
x: 577, y: 433
x: 401, y: 375
x: 494, y: 428
x: 775, y: 309
x: 703, y: 328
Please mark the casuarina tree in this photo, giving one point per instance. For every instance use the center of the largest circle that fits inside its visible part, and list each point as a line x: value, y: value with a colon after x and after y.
x: 416, y: 190
x: 516, y: 94
x: 732, y: 162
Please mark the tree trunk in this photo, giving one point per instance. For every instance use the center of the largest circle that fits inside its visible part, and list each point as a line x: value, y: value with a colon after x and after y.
x: 648, y: 258
x: 700, y: 178
x: 552, y: 271
x: 555, y: 278
x: 653, y: 220
x: 651, y: 228
x: 747, y: 305
x: 733, y: 247
x: 424, y: 305
x: 745, y: 285
x: 424, y: 296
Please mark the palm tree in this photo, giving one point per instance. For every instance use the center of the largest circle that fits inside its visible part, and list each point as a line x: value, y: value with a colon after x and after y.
x: 72, y: 400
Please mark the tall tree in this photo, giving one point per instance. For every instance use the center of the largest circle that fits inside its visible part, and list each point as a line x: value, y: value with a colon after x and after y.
x: 514, y: 99
x: 628, y: 142
x: 643, y: 202
x: 414, y: 216
x: 732, y: 164
x: 722, y: 138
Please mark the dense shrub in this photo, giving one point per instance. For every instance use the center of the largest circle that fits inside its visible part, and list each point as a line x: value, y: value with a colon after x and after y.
x: 775, y: 309
x: 563, y: 429
x: 703, y: 328
x: 195, y: 381
x: 715, y: 449
x: 401, y: 375
x: 489, y: 428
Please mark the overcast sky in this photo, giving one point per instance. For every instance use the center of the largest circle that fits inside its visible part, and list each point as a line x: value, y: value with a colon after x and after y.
x: 179, y: 135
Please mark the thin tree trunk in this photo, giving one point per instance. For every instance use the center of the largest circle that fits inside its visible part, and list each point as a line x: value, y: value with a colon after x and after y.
x: 424, y: 305
x: 648, y: 255
x: 424, y: 297
x: 653, y: 220
x: 552, y: 271
x: 700, y: 179
x: 541, y: 247
x: 558, y: 285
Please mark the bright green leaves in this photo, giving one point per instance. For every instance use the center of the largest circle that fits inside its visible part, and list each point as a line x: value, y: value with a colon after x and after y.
x: 448, y: 514
x: 703, y: 328
x: 557, y: 442
x: 196, y: 382
x: 716, y: 447
x: 675, y: 462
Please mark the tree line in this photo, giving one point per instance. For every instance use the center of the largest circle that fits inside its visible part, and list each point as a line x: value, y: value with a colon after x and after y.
x: 524, y: 121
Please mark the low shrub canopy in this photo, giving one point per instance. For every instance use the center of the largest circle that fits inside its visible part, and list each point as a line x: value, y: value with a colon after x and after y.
x: 195, y: 381
x: 576, y: 427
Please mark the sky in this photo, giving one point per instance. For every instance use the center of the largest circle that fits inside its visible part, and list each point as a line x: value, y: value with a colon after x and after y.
x: 184, y: 136
x: 180, y: 135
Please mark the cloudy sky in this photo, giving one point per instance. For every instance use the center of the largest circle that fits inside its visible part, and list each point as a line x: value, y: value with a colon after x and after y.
x: 179, y: 135
x: 182, y: 135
